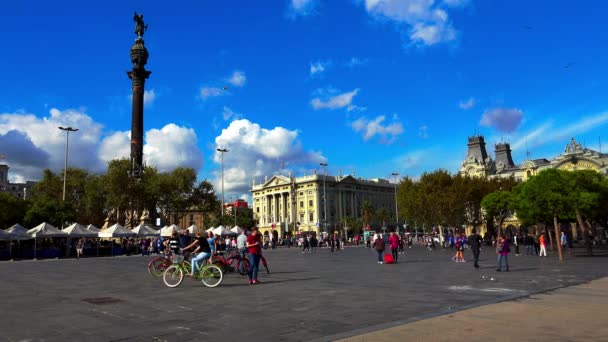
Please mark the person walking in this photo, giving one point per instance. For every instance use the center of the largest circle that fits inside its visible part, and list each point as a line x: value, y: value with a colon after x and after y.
x: 379, y: 247
x: 502, y: 249
x: 255, y: 251
x: 79, y: 248
x: 306, y: 244
x: 563, y: 241
x: 393, y: 240
x: 475, y: 242
x: 543, y: 245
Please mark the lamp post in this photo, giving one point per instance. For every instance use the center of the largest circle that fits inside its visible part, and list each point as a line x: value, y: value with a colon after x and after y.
x: 67, y: 142
x: 222, y: 151
x: 396, y: 208
x: 324, y: 198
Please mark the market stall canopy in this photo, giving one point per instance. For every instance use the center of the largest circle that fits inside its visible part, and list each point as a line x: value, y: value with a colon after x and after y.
x: 45, y: 230
x: 209, y: 230
x: 4, y: 235
x: 17, y: 230
x: 143, y: 230
x: 236, y: 229
x: 116, y: 231
x: 77, y: 230
x: 168, y: 231
x: 192, y: 229
x: 93, y: 228
x: 221, y: 230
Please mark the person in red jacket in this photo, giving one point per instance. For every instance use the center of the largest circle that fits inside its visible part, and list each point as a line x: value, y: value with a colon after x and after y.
x: 255, y: 251
x: 393, y: 240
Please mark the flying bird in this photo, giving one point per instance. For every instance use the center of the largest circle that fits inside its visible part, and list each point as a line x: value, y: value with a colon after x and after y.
x: 568, y: 65
x: 527, y: 27
x: 225, y: 87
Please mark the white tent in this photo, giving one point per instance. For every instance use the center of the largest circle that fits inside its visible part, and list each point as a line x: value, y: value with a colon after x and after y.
x: 168, y: 231
x: 116, y: 231
x: 4, y: 235
x: 221, y: 230
x: 93, y: 228
x: 45, y: 230
x: 236, y: 229
x: 17, y: 230
x: 192, y: 229
x: 143, y: 230
x: 77, y: 230
x: 209, y: 230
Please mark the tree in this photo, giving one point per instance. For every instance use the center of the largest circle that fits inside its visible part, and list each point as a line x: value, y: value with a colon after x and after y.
x: 367, y: 212
x: 545, y: 197
x: 13, y: 209
x: 382, y: 215
x: 498, y: 204
x: 205, y: 201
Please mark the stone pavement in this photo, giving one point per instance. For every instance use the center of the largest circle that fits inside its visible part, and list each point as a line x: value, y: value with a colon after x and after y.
x: 576, y: 313
x: 322, y: 295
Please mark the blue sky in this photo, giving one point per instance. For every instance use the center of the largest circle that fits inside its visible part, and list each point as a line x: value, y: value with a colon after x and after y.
x: 374, y: 86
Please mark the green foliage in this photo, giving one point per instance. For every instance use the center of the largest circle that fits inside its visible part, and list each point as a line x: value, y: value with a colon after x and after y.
x: 13, y: 210
x: 367, y: 212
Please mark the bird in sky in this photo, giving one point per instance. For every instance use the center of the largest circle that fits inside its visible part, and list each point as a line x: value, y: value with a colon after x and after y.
x: 568, y: 65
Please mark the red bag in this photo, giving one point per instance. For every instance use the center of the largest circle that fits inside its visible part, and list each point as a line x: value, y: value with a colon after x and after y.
x: 388, y: 259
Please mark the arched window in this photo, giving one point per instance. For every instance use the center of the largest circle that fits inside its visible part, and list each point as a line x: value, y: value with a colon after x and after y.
x: 528, y: 173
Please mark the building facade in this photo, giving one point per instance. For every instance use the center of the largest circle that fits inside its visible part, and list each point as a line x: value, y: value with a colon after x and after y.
x: 575, y: 157
x: 21, y: 190
x: 293, y: 204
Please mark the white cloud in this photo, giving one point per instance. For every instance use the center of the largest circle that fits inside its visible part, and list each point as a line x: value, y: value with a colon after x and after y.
x: 423, y: 132
x: 468, y: 104
x: 302, y: 7
x: 149, y: 97
x: 257, y: 152
x: 33, y: 144
x: 318, y: 67
x: 370, y: 128
x: 334, y: 102
x: 427, y: 21
x: 229, y: 114
x: 207, y: 92
x: 506, y: 120
x: 355, y: 61
x: 237, y: 79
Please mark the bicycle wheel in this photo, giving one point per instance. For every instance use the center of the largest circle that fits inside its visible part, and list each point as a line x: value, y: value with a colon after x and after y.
x: 157, y: 266
x: 212, y: 275
x: 243, y: 266
x: 173, y: 276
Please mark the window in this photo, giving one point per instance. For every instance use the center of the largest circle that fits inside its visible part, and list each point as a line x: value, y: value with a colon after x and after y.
x: 257, y: 210
x: 528, y: 173
x: 301, y: 204
x: 311, y: 217
x: 310, y: 192
x: 301, y: 194
x: 310, y: 203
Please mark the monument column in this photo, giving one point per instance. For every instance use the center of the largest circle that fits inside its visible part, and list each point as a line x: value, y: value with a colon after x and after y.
x: 138, y: 76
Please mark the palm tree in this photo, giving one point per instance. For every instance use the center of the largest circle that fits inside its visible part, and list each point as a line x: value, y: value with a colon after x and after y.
x: 383, y: 215
x: 367, y: 212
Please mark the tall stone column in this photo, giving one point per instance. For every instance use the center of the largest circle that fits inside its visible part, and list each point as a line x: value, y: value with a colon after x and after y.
x: 138, y: 76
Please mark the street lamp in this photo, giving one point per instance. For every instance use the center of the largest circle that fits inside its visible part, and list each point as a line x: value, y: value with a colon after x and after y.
x: 67, y: 142
x: 396, y: 208
x: 222, y: 150
x: 324, y: 198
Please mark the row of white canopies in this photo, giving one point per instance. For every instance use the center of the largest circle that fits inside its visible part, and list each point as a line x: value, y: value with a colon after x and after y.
x: 44, y: 230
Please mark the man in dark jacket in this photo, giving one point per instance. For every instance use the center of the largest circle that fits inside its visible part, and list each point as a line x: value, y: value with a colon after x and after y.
x: 475, y: 242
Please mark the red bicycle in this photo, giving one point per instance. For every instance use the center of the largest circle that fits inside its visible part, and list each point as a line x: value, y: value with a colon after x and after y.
x: 158, y: 265
x: 231, y: 261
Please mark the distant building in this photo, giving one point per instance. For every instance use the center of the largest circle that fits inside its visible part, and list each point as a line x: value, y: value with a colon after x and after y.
x: 21, y: 190
x: 296, y: 203
x: 575, y: 157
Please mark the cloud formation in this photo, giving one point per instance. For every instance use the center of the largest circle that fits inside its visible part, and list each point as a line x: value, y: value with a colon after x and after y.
x: 237, y: 79
x: 229, y: 114
x: 256, y: 152
x: 207, y: 92
x: 387, y: 133
x: 426, y: 21
x: 33, y: 144
x: 302, y: 7
x: 468, y: 104
x: 344, y: 100
x: 318, y: 67
x: 506, y: 120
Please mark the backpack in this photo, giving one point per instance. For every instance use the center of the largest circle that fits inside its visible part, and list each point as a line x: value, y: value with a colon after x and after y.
x: 379, y: 244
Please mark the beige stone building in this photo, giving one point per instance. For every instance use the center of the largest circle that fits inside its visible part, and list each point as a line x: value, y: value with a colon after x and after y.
x: 296, y: 204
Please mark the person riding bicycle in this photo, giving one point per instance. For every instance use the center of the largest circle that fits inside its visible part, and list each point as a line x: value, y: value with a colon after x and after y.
x: 203, y: 250
x: 172, y: 245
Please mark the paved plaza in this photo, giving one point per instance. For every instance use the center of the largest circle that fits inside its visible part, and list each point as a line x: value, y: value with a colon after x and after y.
x: 319, y: 296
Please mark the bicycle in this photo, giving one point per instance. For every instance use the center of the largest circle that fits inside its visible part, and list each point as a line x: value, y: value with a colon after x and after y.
x: 158, y: 265
x: 233, y: 262
x: 210, y: 275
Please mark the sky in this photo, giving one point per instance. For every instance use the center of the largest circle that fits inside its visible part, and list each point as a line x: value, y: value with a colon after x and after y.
x: 369, y: 87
